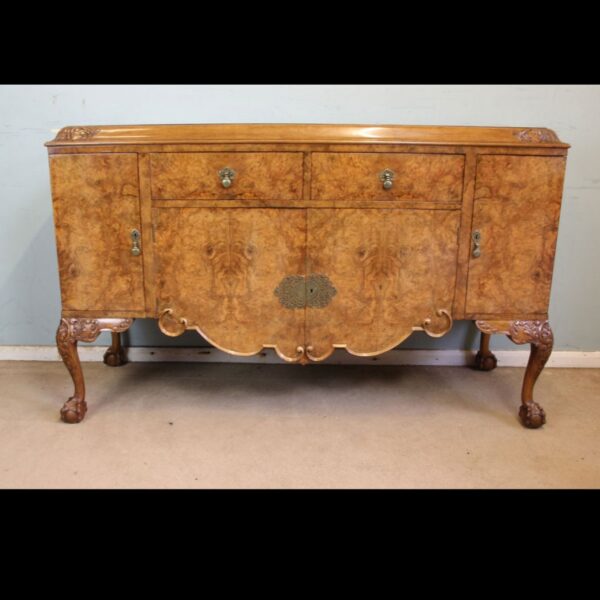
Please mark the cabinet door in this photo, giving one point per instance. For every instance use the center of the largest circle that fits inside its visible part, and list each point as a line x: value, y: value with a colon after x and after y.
x: 389, y: 272
x: 218, y: 270
x: 96, y: 206
x: 516, y: 212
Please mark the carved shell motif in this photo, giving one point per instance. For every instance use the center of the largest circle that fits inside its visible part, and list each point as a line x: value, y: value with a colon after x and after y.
x: 539, y: 135
x: 68, y: 134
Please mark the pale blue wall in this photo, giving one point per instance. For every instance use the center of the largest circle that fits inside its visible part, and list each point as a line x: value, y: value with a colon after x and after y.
x: 29, y: 115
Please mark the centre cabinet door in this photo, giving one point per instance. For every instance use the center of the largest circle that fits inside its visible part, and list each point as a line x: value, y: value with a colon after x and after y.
x: 218, y: 269
x: 384, y: 273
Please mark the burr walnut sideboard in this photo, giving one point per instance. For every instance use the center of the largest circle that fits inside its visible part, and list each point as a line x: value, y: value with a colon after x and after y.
x: 306, y: 238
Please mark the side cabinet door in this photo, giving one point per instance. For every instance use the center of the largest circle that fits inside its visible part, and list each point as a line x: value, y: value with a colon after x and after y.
x: 375, y: 275
x: 516, y: 212
x: 220, y: 271
x: 96, y: 207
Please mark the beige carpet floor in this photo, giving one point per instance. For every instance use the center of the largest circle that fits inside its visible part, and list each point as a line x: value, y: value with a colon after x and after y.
x: 283, y: 426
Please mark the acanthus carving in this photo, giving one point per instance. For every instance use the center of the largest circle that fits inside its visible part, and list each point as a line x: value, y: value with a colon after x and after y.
x: 68, y: 134
x: 87, y: 330
x: 533, y: 332
x: 521, y: 332
x: 540, y: 135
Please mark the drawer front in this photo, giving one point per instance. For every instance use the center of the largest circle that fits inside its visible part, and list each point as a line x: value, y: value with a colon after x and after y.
x: 201, y: 176
x: 359, y: 176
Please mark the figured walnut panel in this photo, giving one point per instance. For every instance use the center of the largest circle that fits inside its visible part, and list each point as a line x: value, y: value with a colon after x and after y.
x: 516, y: 210
x: 351, y: 176
x: 217, y: 271
x: 392, y: 271
x: 258, y: 175
x: 96, y: 205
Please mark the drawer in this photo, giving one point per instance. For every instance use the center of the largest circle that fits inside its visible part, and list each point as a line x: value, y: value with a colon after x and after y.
x: 359, y: 176
x: 201, y: 175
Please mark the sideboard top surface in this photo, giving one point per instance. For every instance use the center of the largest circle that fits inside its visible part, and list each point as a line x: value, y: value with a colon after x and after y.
x: 94, y: 135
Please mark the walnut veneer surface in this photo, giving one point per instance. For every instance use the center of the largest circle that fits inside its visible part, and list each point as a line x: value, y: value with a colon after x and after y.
x: 306, y: 238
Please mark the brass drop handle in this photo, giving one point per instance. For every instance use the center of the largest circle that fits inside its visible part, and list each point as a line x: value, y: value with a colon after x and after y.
x: 476, y: 237
x: 387, y: 177
x: 135, y: 242
x: 227, y: 176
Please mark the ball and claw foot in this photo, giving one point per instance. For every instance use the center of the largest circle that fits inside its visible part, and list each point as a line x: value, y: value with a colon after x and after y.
x: 73, y: 410
x: 485, y: 361
x: 532, y: 415
x: 115, y: 358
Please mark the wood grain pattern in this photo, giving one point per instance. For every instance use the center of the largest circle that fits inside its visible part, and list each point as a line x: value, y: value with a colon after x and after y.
x: 308, y: 133
x: 275, y: 175
x: 392, y: 269
x: 306, y: 251
x: 96, y: 205
x: 350, y: 176
x: 218, y: 269
x: 516, y: 210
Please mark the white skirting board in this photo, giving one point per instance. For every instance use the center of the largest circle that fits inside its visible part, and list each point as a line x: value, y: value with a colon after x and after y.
x: 506, y: 358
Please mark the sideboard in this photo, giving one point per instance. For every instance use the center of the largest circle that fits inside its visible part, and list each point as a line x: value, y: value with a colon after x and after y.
x: 306, y: 238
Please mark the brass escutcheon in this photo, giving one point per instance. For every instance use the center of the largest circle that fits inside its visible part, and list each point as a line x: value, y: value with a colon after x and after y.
x: 319, y: 291
x: 135, y: 242
x: 476, y: 237
x: 313, y: 291
x: 291, y: 291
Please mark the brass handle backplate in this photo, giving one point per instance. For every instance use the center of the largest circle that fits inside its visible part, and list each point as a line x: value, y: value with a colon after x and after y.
x: 227, y: 176
x: 135, y: 242
x: 387, y: 177
x: 476, y: 237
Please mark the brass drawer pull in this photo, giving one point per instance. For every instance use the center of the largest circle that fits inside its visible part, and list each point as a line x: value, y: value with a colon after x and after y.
x: 227, y: 176
x: 135, y: 242
x: 387, y: 176
x: 476, y: 237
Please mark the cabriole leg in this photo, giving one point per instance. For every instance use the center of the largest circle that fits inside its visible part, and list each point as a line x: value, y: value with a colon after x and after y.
x: 539, y: 335
x: 74, y: 408
x: 531, y: 413
x: 115, y: 354
x: 485, y: 360
x: 73, y: 330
